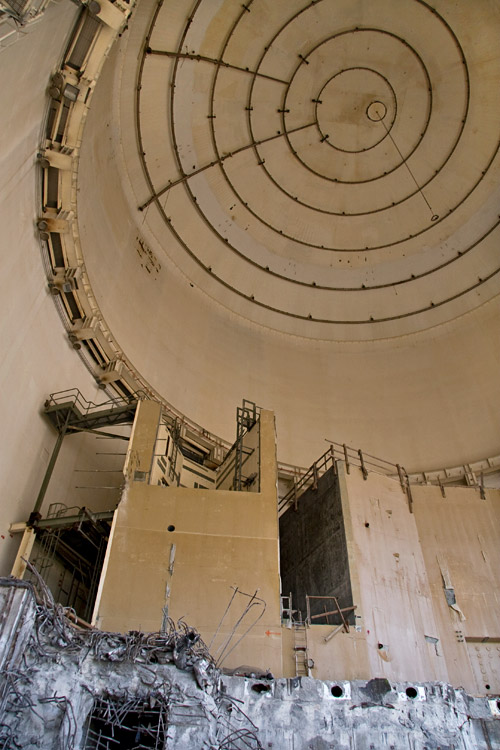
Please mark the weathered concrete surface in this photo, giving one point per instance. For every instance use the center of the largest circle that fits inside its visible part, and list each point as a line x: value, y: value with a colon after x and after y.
x: 302, y: 713
x: 51, y: 691
x: 17, y: 609
x: 184, y: 550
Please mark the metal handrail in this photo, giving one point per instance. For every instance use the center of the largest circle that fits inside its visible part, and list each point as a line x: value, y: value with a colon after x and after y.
x: 351, y: 457
x: 75, y: 397
x: 309, y: 478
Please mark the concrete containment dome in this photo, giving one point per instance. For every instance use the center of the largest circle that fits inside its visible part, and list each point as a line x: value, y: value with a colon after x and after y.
x: 299, y: 203
x: 286, y: 209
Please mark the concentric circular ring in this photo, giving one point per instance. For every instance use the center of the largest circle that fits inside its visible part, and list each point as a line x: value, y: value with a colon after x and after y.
x: 376, y: 111
x: 342, y: 105
x: 330, y: 140
x: 414, y: 64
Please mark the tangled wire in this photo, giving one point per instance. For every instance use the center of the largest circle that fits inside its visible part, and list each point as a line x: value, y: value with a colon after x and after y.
x: 179, y: 644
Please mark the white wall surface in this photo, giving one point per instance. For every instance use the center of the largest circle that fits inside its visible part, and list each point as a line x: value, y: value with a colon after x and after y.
x: 36, y: 357
x: 426, y: 400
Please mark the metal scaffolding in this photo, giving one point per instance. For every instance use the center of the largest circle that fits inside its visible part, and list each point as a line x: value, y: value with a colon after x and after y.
x: 246, y: 417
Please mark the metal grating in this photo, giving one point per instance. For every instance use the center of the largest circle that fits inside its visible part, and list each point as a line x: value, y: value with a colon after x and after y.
x: 18, y: 7
x: 83, y: 42
x: 57, y: 251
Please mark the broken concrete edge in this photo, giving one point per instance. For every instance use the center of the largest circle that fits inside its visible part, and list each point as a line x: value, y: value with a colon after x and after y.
x: 55, y: 630
x: 180, y: 645
x: 58, y: 681
x: 62, y: 686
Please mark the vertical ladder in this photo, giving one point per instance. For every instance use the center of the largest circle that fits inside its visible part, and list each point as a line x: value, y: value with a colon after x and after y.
x: 175, y: 432
x: 300, y: 649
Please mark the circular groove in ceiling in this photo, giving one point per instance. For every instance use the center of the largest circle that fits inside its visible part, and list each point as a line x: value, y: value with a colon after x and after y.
x: 377, y: 106
x: 376, y: 111
x: 328, y: 99
x: 428, y: 84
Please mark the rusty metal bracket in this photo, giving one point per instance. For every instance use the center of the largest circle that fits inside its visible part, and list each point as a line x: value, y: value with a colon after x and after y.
x: 315, y: 477
x: 346, y: 459
x: 363, y: 467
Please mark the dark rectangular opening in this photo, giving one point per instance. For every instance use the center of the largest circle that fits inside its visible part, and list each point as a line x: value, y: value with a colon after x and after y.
x: 61, y: 126
x: 73, y: 306
x: 94, y: 352
x: 53, y: 108
x: 122, y: 389
x: 69, y: 558
x: 313, y: 554
x: 57, y: 251
x: 52, y: 187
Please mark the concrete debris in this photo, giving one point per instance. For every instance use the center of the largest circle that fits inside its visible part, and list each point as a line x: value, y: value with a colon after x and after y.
x: 70, y: 687
x: 204, y: 674
x: 246, y: 671
x: 65, y: 687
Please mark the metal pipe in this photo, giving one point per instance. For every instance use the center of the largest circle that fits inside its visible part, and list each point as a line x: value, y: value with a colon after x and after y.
x: 50, y: 467
x: 97, y: 487
x: 334, y: 632
x: 400, y: 474
x: 408, y: 491
x: 363, y: 467
x: 482, y: 493
x: 111, y: 435
x: 346, y: 459
x: 105, y: 453
x: 441, y: 487
x: 315, y: 477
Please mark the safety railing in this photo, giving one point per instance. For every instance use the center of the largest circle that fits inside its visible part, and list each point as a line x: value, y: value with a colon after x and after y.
x: 351, y: 457
x: 74, y: 396
x: 309, y: 479
x: 330, y: 610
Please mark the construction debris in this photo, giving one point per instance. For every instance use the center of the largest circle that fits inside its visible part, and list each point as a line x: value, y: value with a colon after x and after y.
x: 74, y: 687
x: 66, y: 687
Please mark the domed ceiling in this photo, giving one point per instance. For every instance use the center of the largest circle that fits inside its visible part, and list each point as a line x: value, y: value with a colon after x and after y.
x: 298, y: 203
x: 336, y: 157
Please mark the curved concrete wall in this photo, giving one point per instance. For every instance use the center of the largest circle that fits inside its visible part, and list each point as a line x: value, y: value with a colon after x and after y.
x: 36, y: 356
x: 426, y: 400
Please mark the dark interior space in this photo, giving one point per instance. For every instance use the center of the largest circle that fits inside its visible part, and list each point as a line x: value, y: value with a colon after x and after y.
x: 313, y: 553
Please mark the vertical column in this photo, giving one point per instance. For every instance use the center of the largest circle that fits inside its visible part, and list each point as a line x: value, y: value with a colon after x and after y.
x: 140, y: 454
x: 268, y: 461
